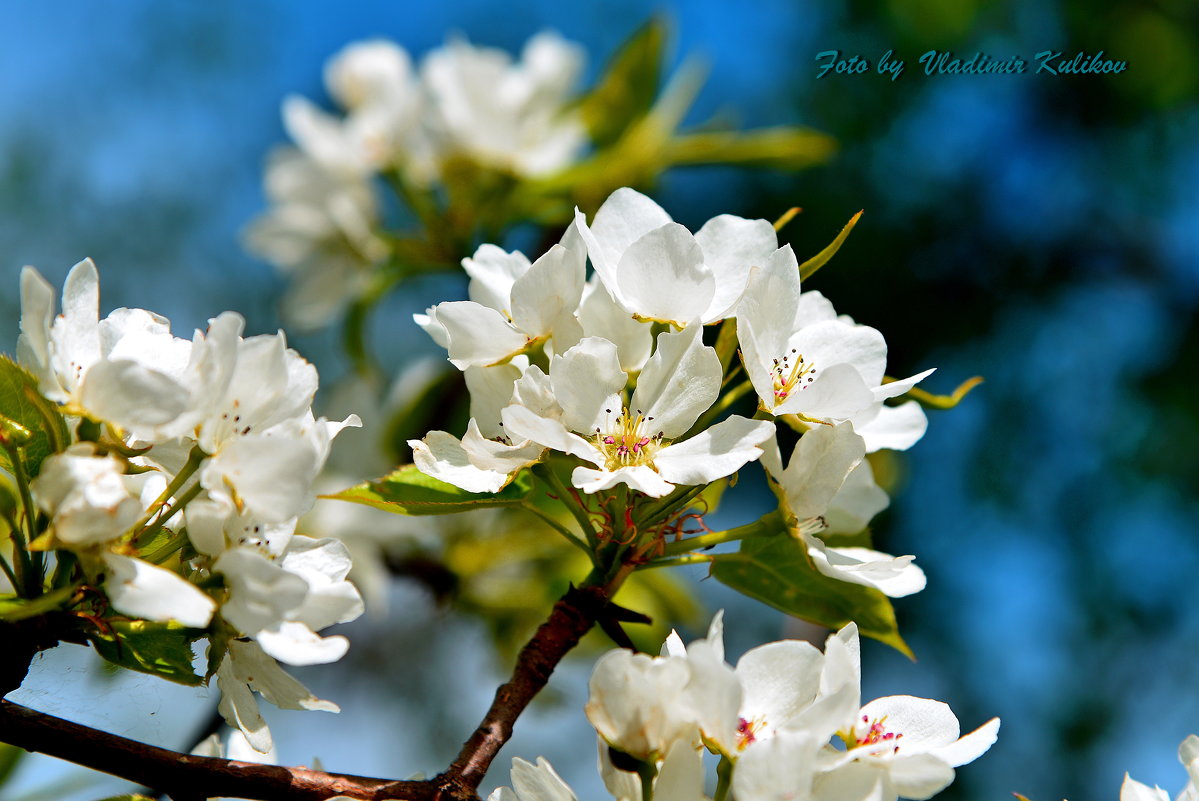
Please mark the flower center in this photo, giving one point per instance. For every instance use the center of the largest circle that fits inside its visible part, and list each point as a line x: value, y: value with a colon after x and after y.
x: 875, y: 734
x: 628, y: 441
x: 791, y: 374
x: 747, y: 730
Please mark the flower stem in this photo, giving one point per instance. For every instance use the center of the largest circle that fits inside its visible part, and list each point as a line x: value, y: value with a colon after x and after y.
x: 678, y: 561
x: 724, y: 779
x: 566, y: 533
x: 547, y: 474
x: 194, y: 459
x: 29, y: 584
x: 715, y: 538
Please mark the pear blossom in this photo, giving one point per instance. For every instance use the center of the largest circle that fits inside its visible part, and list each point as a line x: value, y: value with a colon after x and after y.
x: 142, y: 590
x: 1188, y: 755
x: 247, y: 669
x: 513, y: 304
x: 531, y: 782
x: 634, y: 442
x: 815, y: 483
x: 640, y: 704
x: 655, y: 269
x: 805, y: 360
x: 86, y: 495
x: 509, y: 115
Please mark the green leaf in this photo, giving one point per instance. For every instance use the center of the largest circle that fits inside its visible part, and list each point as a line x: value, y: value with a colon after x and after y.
x: 161, y: 649
x: 10, y: 755
x: 776, y: 570
x: 23, y: 405
x: 809, y: 267
x: 782, y: 148
x: 627, y: 89
x: 408, y: 491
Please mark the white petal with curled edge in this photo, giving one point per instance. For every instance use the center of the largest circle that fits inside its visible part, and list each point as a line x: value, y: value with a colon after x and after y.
x: 429, y: 324
x: 549, y: 291
x: 894, y: 576
x: 895, y: 427
x: 521, y: 424
x: 261, y: 592
x: 264, y: 675
x: 478, y: 335
x: 894, y: 388
x: 539, y: 782
x: 442, y: 456
x: 825, y: 344
x: 499, y: 456
x: 140, y: 589
x: 1133, y: 790
x: 822, y: 459
x: 732, y: 245
x: 239, y: 708
x: 638, y: 477
x: 969, y: 747
x: 626, y: 216
x: 492, y: 272
x: 295, y: 644
x: 271, y: 475
x: 662, y: 277
x: 715, y: 694
x: 584, y: 379
x: 681, y: 776
x: 924, y: 723
x: 856, y: 503
x: 715, y: 453
x: 679, y: 383
x: 33, y: 345
x: 771, y: 298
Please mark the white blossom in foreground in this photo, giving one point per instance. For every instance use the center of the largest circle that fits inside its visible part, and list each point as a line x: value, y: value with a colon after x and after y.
x: 815, y: 483
x: 803, y: 359
x: 634, y: 442
x: 513, y: 306
x: 1188, y: 755
x: 655, y: 269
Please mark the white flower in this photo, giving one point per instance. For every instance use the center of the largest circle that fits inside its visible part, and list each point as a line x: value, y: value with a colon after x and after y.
x: 513, y: 116
x: 640, y: 705
x: 804, y: 360
x: 656, y: 269
x: 247, y: 669
x: 680, y: 775
x: 124, y: 369
x: 634, y: 443
x: 86, y: 495
x: 813, y: 483
x: 513, y: 304
x: 531, y: 782
x: 1188, y: 755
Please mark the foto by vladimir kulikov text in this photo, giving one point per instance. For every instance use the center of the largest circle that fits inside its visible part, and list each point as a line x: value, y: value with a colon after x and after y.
x: 946, y: 62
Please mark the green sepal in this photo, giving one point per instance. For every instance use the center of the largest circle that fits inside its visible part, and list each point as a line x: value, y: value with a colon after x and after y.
x: 813, y: 264
x: 408, y: 491
x: 161, y: 649
x: 628, y: 87
x: 777, y: 571
x: 33, y: 423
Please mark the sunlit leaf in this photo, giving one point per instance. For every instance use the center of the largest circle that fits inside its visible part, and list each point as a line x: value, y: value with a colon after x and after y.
x: 782, y: 147
x: 628, y: 86
x: 408, y: 491
x: 776, y: 570
x: 22, y: 404
x: 820, y: 259
x: 162, y: 649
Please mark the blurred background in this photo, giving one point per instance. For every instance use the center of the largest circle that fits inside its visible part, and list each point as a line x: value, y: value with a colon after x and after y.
x: 1040, y: 231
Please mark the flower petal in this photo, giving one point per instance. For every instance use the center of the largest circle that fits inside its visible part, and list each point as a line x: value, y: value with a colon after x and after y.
x: 679, y: 383
x: 731, y: 246
x: 715, y: 453
x: 638, y: 477
x: 662, y: 277
x: 584, y: 379
x: 140, y: 589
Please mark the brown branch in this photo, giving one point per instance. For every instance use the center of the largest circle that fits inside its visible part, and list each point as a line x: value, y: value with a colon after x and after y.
x: 190, y: 778
x: 185, y: 777
x: 572, y: 617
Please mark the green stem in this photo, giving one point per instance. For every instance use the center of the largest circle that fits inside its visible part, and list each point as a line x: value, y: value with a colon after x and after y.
x: 726, y: 343
x: 648, y: 771
x: 714, y: 538
x: 183, y: 500
x: 194, y: 459
x: 561, y: 529
x: 30, y: 582
x: 689, y: 559
x: 547, y: 474
x: 724, y: 779
x: 12, y: 579
x: 677, y: 500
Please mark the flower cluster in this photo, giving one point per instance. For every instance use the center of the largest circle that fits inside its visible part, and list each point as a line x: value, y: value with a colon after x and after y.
x: 787, y: 723
x: 191, y: 461
x: 613, y: 372
x: 465, y: 104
